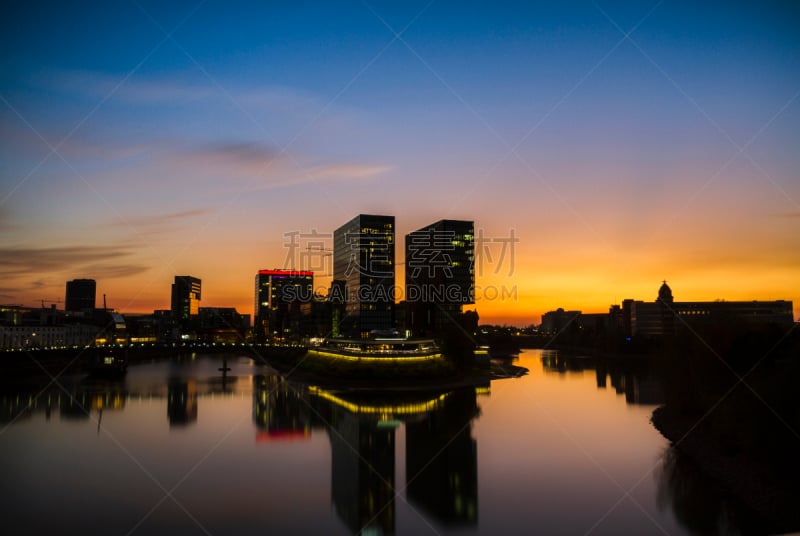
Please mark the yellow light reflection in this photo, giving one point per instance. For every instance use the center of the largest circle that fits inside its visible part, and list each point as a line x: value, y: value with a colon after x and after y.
x: 385, y: 412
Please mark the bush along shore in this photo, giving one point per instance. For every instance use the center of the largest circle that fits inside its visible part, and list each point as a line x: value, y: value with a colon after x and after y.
x: 734, y: 413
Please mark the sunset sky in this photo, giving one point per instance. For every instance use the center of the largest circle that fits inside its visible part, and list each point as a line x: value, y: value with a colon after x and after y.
x: 622, y: 143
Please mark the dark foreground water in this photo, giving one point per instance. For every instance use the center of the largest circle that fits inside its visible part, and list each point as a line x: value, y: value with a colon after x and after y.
x: 176, y: 448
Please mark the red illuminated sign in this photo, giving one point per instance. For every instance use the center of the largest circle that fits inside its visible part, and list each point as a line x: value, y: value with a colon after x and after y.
x: 293, y: 273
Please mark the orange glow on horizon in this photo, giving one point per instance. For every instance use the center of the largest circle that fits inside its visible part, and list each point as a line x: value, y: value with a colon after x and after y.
x: 568, y: 269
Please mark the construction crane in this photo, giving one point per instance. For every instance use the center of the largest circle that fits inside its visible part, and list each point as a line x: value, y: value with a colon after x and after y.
x: 321, y: 250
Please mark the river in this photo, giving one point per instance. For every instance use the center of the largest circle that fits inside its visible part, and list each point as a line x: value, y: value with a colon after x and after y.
x: 178, y: 447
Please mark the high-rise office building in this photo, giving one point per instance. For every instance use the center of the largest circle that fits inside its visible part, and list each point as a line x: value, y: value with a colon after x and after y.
x: 185, y: 297
x: 440, y: 273
x: 278, y: 297
x: 363, y: 259
x: 81, y: 295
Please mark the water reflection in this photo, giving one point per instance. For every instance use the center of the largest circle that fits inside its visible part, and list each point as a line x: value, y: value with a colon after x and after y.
x: 77, y: 397
x: 637, y: 382
x: 181, y: 401
x: 362, y: 472
x: 441, y: 457
x: 280, y: 412
x: 441, y: 454
x: 385, y: 448
x: 73, y: 404
x: 698, y: 502
x: 442, y: 461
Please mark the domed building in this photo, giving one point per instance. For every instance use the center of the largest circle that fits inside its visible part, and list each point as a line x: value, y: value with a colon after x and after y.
x: 666, y: 309
x: 662, y: 317
x: 651, y: 319
x: 664, y: 293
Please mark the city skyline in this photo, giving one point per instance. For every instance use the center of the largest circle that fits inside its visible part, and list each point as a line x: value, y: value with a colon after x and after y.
x: 620, y: 145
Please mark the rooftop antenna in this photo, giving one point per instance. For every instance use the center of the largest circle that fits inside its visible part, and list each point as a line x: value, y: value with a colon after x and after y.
x: 105, y: 309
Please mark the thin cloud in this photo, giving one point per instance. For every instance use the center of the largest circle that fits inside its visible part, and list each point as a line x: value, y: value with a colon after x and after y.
x: 19, y: 261
x: 185, y: 214
x: 104, y: 150
x: 112, y: 271
x: 179, y: 87
x: 135, y: 89
x: 243, y: 158
x: 162, y: 219
x: 347, y: 171
x: 269, y: 167
x: 39, y: 283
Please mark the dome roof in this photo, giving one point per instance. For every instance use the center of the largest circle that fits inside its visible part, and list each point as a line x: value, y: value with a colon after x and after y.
x: 665, y: 293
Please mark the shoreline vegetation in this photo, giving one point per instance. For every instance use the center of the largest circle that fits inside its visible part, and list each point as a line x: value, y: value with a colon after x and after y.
x: 712, y: 484
x: 732, y: 411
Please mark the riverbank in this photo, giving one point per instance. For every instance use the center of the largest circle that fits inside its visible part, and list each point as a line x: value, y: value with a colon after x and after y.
x: 37, y: 363
x: 757, y: 481
x: 37, y: 368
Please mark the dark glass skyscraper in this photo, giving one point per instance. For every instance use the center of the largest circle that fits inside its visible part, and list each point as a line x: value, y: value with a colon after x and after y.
x: 81, y: 295
x: 440, y: 273
x: 363, y: 259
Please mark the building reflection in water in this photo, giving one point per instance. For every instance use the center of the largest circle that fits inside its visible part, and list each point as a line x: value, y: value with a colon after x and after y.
x: 362, y: 472
x: 181, y: 401
x: 74, y: 407
x: 639, y: 384
x: 75, y: 404
x: 442, y: 461
x: 441, y: 456
x: 82, y: 401
x: 77, y: 401
x: 601, y: 375
x: 441, y: 476
x: 280, y: 412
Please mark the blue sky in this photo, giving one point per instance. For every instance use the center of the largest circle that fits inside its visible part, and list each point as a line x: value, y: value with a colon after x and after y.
x: 625, y: 142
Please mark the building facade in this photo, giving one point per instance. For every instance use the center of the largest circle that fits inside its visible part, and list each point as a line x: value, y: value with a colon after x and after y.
x: 185, y: 297
x: 223, y: 324
x: 26, y: 328
x: 664, y: 316
x: 364, y: 261
x: 440, y: 273
x: 559, y: 321
x: 63, y: 336
x: 279, y: 295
